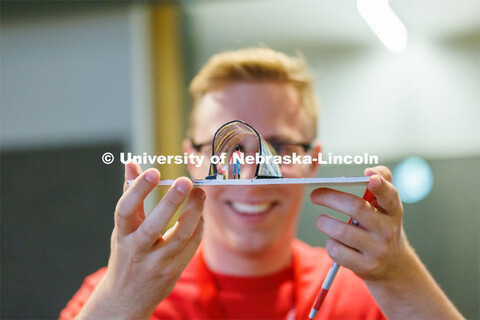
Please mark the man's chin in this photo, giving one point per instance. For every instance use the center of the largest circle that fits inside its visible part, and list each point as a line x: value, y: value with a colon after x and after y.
x: 252, y: 245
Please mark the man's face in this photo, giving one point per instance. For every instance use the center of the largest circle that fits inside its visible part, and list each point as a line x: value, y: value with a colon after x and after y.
x: 250, y: 219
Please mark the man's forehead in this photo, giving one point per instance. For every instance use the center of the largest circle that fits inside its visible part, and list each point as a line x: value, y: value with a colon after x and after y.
x: 271, y: 108
x: 255, y: 95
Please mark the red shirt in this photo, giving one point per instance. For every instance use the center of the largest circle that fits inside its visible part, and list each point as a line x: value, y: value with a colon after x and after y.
x: 289, y: 293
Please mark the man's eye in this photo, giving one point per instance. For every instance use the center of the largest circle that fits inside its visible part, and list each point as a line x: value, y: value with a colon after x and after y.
x: 279, y: 148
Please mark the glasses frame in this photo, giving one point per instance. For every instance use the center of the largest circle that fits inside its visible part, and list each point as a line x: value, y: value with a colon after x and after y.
x: 307, y: 146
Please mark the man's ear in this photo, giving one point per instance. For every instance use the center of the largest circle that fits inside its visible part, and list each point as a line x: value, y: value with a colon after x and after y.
x: 316, y: 149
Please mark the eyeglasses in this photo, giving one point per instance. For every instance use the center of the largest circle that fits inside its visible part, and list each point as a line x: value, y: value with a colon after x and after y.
x: 282, y: 148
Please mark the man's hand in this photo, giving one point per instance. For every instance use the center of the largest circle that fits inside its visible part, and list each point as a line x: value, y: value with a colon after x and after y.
x: 378, y: 250
x: 372, y: 250
x: 145, y: 263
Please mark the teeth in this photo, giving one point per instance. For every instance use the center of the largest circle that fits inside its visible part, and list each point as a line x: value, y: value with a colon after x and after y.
x: 250, y: 208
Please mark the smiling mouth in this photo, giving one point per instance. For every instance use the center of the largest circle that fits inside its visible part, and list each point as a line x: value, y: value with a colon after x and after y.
x: 250, y: 208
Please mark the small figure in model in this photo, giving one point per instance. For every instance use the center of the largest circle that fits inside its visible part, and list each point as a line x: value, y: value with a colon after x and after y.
x: 235, y: 158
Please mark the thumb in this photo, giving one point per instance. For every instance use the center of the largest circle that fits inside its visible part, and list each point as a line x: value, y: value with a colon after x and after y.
x: 132, y: 171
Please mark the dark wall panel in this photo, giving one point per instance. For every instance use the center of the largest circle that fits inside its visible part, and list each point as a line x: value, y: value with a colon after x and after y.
x: 57, y: 215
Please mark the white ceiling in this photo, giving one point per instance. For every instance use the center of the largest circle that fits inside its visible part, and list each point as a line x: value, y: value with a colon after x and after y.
x: 322, y: 22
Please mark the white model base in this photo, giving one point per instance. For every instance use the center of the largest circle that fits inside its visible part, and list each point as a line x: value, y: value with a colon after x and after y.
x: 259, y: 182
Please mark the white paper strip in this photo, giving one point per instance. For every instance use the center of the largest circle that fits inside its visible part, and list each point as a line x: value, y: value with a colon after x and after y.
x: 260, y: 182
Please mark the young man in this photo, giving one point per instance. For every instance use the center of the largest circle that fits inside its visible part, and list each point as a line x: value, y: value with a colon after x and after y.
x: 249, y: 265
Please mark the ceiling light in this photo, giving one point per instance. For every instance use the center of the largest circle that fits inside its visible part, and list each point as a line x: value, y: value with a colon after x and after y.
x: 385, y: 23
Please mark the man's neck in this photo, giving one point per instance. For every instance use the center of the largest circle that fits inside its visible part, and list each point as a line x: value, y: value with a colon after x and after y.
x: 221, y: 259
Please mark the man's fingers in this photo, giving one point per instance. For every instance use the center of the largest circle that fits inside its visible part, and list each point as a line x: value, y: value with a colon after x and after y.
x: 126, y: 216
x: 345, y: 256
x: 132, y: 171
x: 186, y: 253
x: 379, y: 170
x: 348, y: 234
x: 355, y: 207
x: 381, y: 186
x: 177, y: 236
x: 386, y: 195
x: 151, y: 228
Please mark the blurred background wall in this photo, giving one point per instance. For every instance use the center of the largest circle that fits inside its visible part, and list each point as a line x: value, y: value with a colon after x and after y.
x: 75, y: 83
x: 79, y: 79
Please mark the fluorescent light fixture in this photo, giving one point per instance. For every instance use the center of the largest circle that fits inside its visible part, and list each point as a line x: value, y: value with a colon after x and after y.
x: 385, y: 23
